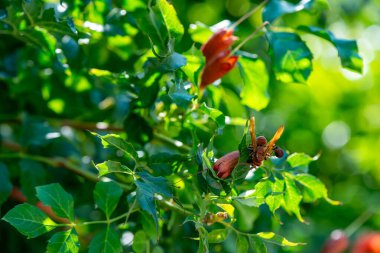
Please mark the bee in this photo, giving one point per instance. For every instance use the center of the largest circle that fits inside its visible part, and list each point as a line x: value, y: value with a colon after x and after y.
x: 260, y: 149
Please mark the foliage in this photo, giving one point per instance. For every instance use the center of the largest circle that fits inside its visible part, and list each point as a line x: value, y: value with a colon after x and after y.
x: 106, y: 132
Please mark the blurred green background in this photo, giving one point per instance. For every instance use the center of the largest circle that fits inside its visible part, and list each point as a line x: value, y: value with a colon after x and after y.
x: 337, y: 115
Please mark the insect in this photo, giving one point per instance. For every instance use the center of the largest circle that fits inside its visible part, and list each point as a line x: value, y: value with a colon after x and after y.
x: 260, y: 149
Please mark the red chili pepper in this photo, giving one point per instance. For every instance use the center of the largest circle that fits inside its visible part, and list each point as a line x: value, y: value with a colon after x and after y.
x: 224, y: 165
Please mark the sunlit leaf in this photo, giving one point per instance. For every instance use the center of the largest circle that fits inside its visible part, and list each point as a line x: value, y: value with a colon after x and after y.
x: 276, y: 239
x: 58, y: 199
x: 200, y: 32
x: 194, y: 62
x: 112, y: 167
x: 116, y: 141
x: 274, y: 200
x: 255, y: 78
x: 292, y: 197
x: 313, y: 188
x: 29, y: 220
x: 292, y: 59
x: 64, y: 242
x: 107, y: 196
x: 230, y: 209
x: 214, y: 114
x: 347, y: 49
x: 169, y: 15
x: 217, y: 235
x: 300, y: 159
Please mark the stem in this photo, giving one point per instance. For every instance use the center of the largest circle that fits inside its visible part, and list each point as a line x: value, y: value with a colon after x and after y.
x: 227, y: 225
x: 174, y: 207
x: 175, y: 143
x: 130, y: 211
x: 249, y: 37
x: 356, y: 224
x: 248, y: 14
x: 99, y: 126
x: 106, y: 221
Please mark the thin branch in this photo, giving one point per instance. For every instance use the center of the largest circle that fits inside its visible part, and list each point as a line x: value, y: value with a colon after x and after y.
x: 60, y: 162
x: 247, y: 15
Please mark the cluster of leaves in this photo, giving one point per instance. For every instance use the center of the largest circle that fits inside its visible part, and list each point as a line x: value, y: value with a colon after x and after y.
x: 92, y: 63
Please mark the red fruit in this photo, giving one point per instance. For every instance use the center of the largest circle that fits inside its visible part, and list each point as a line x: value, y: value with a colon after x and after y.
x: 224, y: 165
x: 221, y: 40
x: 367, y: 243
x: 337, y: 242
x: 217, y: 67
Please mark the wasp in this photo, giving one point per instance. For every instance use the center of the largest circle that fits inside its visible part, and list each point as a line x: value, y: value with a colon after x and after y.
x: 260, y: 149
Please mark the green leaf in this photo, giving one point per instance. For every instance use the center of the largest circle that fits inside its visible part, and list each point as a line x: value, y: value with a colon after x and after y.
x: 140, y: 242
x: 5, y: 183
x: 300, y: 159
x: 214, y: 114
x: 114, y: 140
x: 108, y: 167
x: 313, y: 189
x: 64, y: 242
x: 274, y: 200
x: 194, y: 62
x: 203, y: 241
x: 58, y: 199
x: 172, y: 62
x: 255, y: 78
x: 32, y: 8
x: 276, y: 239
x: 292, y: 59
x: 107, y: 196
x: 257, y: 244
x: 347, y: 49
x: 147, y: 186
x: 242, y: 244
x: 262, y: 190
x: 276, y: 8
x: 40, y: 38
x: 292, y: 197
x: 217, y: 235
x: 107, y: 241
x: 159, y: 185
x: 169, y: 15
x: 257, y: 196
x: 200, y: 33
x: 241, y: 169
x: 29, y: 220
x: 179, y: 95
